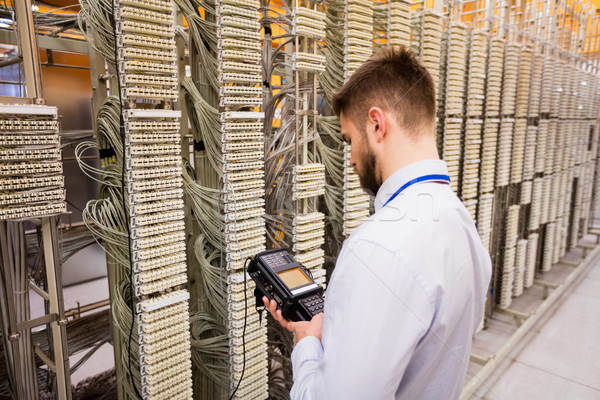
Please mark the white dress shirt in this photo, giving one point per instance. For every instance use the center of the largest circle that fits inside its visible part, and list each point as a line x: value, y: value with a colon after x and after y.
x: 406, y: 296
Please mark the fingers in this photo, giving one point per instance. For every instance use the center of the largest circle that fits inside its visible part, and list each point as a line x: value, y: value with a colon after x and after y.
x: 272, y: 307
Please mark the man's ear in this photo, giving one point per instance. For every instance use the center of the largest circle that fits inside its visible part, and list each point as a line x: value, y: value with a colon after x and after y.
x: 377, y: 119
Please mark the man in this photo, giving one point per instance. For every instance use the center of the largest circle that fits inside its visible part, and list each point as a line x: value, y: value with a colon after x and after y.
x: 409, y: 286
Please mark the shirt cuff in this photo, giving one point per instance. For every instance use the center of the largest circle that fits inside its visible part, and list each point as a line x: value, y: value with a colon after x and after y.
x: 309, y: 348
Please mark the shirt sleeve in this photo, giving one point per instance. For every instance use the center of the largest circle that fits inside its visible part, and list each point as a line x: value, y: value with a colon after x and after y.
x: 376, y: 312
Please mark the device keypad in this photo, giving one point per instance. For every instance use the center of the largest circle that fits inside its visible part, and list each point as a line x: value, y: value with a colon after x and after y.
x: 314, y: 304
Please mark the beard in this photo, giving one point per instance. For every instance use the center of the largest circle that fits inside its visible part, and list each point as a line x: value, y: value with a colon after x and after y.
x: 369, y: 180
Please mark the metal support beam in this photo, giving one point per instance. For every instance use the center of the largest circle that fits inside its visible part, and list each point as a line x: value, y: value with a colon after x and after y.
x: 29, y: 49
x: 49, y: 42
x: 59, y: 332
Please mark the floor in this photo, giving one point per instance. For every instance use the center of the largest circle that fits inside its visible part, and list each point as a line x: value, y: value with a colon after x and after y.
x: 560, y: 358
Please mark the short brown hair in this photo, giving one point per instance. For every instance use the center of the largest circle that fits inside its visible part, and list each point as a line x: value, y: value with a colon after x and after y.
x: 394, y: 80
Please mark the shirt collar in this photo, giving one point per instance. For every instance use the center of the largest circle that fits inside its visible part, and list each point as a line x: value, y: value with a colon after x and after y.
x: 406, y: 174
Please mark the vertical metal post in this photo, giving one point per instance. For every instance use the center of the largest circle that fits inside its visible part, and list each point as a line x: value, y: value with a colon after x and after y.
x: 58, y: 327
x: 33, y: 78
x: 29, y: 49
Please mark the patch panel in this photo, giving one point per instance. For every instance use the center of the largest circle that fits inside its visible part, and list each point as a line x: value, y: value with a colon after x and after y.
x: 29, y: 154
x: 309, y: 244
x: 155, y: 353
x: 141, y: 197
x: 247, y: 185
x: 309, y: 191
x: 138, y: 66
x: 33, y: 211
x: 147, y: 54
x: 154, y: 162
x: 243, y: 156
x: 301, y: 30
x: 307, y: 236
x: 152, y: 149
x: 130, y: 39
x: 238, y: 55
x: 169, y: 389
x: 235, y: 260
x: 28, y: 125
x: 151, y: 93
x: 30, y: 168
x: 308, y: 13
x: 140, y: 14
x: 144, y: 28
x: 230, y: 32
x: 26, y: 183
x: 28, y: 140
x: 248, y: 126
x: 158, y: 262
x: 316, y: 24
x: 154, y: 184
x: 230, y: 66
x: 241, y: 90
x: 237, y: 206
x: 157, y: 5
x: 246, y: 214
x: 244, y: 195
x: 158, y: 251
x: 157, y: 240
x: 229, y: 43
x: 240, y: 101
x: 242, y: 3
x: 148, y: 80
x: 226, y: 9
x: 240, y: 166
x: 159, y: 285
x: 237, y: 357
x: 245, y: 175
x: 156, y: 218
x: 154, y: 369
x: 154, y: 173
x: 231, y: 77
x: 241, y: 234
x: 31, y: 197
x: 159, y: 273
x: 242, y: 23
x: 313, y: 254
x: 310, y: 226
x: 161, y: 313
x: 156, y: 126
x: 156, y: 207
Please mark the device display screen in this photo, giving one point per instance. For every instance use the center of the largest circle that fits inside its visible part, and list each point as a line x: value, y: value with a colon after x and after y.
x: 294, y: 277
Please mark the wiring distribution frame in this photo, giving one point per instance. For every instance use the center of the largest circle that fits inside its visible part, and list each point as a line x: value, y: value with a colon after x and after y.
x: 147, y: 71
x: 308, y: 175
x: 357, y: 14
x: 240, y: 78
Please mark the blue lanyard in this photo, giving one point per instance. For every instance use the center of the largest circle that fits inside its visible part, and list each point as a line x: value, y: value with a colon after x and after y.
x: 444, y: 178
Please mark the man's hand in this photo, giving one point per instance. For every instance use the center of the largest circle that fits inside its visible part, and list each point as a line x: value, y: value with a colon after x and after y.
x: 300, y: 328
